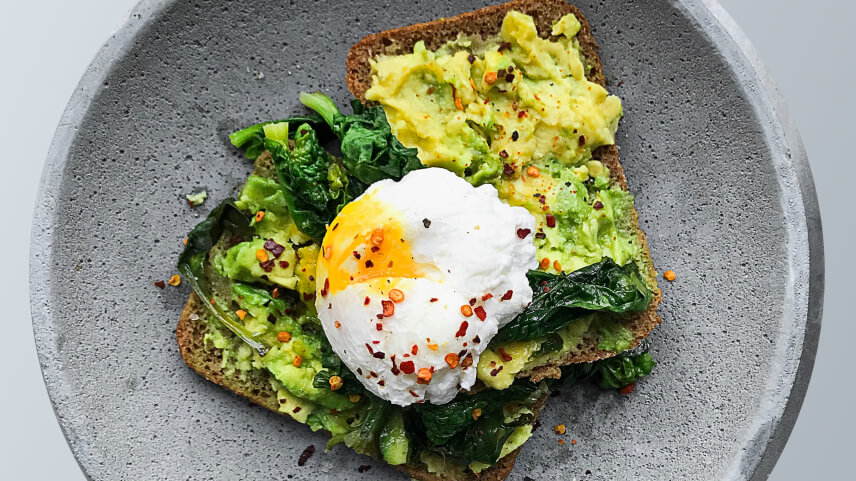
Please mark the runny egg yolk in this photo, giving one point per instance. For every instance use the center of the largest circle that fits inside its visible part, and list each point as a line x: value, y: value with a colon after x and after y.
x: 366, y: 242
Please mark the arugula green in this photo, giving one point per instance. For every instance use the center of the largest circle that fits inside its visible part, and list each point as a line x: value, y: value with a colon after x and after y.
x: 365, y: 435
x: 561, y: 298
x: 252, y: 138
x: 224, y: 219
x: 370, y: 152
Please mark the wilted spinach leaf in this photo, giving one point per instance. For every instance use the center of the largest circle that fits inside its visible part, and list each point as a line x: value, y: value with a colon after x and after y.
x: 304, y: 174
x: 611, y: 373
x: 226, y: 218
x: 364, y: 438
x: 561, y: 298
x: 252, y: 139
x: 333, y: 367
x: 369, y: 150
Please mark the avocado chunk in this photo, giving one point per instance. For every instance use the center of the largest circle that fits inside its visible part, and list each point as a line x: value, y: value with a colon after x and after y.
x: 394, y: 445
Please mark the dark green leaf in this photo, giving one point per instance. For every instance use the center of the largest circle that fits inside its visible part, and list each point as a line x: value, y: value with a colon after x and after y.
x: 303, y: 173
x: 364, y: 439
x: 561, y: 298
x: 620, y: 371
x: 252, y: 139
x: 225, y: 219
x: 333, y: 367
x: 369, y: 150
x: 442, y: 421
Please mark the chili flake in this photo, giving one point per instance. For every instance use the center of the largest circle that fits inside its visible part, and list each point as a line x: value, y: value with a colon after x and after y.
x: 582, y: 140
x: 336, y: 383
x: 515, y: 136
x: 160, y: 284
x: 507, y: 295
x: 480, y: 313
x: 407, y: 367
x: 414, y: 349
x: 396, y: 295
x: 337, y: 324
x: 241, y: 314
x: 467, y: 362
x: 452, y: 360
x: 504, y: 355
x: 557, y: 266
x: 297, y: 361
x: 670, y: 275
x: 507, y: 170
x: 433, y: 347
x: 423, y: 376
x: 559, y: 429
x: 369, y: 264
x: 283, y: 336
x: 471, y: 58
x: 628, y: 388
x: 545, y: 263
x: 388, y: 308
x: 328, y: 252
x: 174, y: 281
x: 466, y: 310
x: 377, y: 237
x: 326, y: 288
x: 260, y: 215
x: 490, y: 78
x: 477, y: 412
x: 486, y: 296
x: 275, y: 292
x: 597, y: 205
x: 354, y: 398
x: 551, y: 221
x: 522, y: 233
x: 262, y: 255
x: 533, y: 171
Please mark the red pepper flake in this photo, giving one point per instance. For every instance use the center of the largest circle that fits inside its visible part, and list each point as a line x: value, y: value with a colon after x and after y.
x: 284, y: 264
x: 335, y: 226
x: 388, y: 308
x: 522, y: 233
x: 426, y: 223
x: 471, y: 58
x: 503, y: 154
x: 305, y: 455
x: 412, y: 393
x: 371, y: 351
x: 379, y: 355
x: 473, y: 301
x: 496, y: 371
x: 377, y: 237
x: 369, y: 264
x: 372, y: 374
x: 466, y: 310
x: 433, y: 299
x: 551, y: 221
x: 414, y: 349
x: 509, y: 77
x: 379, y: 326
x: 357, y: 255
x: 308, y: 296
x: 480, y: 313
x: 597, y: 205
x: 337, y: 324
x: 407, y: 367
x: 462, y: 331
x: 504, y: 355
x: 476, y: 340
x: 375, y: 342
x: 375, y: 248
x: 275, y: 292
x: 467, y: 362
x: 326, y: 288
x: 582, y: 140
x: 267, y: 266
x: 296, y: 409
x: 381, y: 383
x: 367, y: 301
x: 274, y: 248
x: 507, y: 170
x: 486, y: 296
x: 452, y: 360
x: 521, y: 114
x: 507, y: 295
x: 424, y: 376
x: 160, y: 284
x: 504, y: 46
x: 540, y: 235
x: 628, y: 388
x: 515, y: 136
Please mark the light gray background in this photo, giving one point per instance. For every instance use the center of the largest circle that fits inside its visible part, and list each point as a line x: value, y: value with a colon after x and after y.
x: 46, y: 45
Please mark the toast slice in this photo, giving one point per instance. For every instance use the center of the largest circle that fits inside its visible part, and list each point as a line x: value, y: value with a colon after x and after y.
x: 486, y: 23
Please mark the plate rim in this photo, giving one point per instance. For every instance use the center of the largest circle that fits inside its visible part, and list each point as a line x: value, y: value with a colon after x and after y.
x: 763, y: 447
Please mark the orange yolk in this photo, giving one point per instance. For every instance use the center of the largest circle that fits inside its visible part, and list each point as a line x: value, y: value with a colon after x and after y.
x: 357, y: 229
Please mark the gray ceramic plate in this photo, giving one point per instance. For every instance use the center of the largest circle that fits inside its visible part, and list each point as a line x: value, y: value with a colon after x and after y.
x: 719, y: 173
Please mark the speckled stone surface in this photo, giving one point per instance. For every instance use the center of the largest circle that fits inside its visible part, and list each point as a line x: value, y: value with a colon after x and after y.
x: 718, y: 170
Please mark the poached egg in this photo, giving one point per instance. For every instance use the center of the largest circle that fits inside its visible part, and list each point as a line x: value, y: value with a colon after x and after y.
x: 415, y: 277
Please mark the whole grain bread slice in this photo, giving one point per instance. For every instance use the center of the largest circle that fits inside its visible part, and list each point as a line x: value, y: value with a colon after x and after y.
x: 485, y: 23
